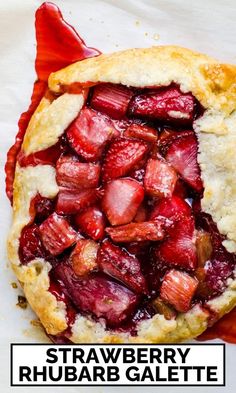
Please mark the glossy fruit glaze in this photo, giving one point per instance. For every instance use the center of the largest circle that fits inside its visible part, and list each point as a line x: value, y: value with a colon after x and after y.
x: 146, y: 234
x: 58, y: 44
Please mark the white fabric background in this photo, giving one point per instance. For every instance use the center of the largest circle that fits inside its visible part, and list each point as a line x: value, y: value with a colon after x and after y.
x: 204, y: 25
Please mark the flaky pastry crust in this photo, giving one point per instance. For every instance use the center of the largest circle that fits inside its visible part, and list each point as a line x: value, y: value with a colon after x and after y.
x: 214, y: 85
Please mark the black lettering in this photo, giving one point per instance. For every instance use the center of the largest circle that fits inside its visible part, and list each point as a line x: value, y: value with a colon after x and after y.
x: 128, y: 353
x: 70, y: 374
x: 173, y: 374
x: 142, y: 355
x: 155, y: 354
x: 132, y: 374
x: 78, y: 354
x: 147, y: 374
x: 158, y: 377
x: 110, y: 354
x: 169, y: 354
x: 211, y: 373
x: 98, y: 373
x: 113, y: 373
x: 37, y: 373
x: 92, y: 355
x: 24, y: 372
x: 185, y: 370
x: 199, y: 372
x: 64, y: 351
x: 52, y: 373
x: 51, y: 354
x: 183, y: 353
x: 84, y: 374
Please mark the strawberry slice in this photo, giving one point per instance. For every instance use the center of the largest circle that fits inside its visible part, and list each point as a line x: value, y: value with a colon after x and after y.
x: 172, y: 208
x: 143, y: 132
x: 111, y: 99
x: 117, y: 263
x: 31, y: 246
x: 182, y: 155
x: 181, y: 189
x: 137, y: 232
x: 168, y: 136
x: 98, y: 294
x: 74, y: 174
x: 84, y: 257
x: 72, y: 201
x: 166, y: 104
x: 89, y: 133
x: 122, y: 156
x: 160, y: 178
x: 179, y: 247
x: 178, y: 289
x: 91, y: 222
x: 57, y: 234
x: 121, y: 200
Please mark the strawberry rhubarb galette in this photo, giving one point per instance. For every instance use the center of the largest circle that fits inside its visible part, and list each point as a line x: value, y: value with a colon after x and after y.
x: 124, y: 200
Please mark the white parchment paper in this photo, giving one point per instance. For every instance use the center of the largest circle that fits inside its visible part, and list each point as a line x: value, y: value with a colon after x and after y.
x: 204, y: 25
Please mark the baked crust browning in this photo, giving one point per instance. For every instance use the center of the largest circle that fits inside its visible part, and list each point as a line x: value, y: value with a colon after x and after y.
x: 214, y: 85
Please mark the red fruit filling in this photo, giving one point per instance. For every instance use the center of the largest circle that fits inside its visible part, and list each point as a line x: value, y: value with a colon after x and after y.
x: 126, y: 268
x: 57, y: 234
x: 125, y: 235
x: 122, y: 156
x: 165, y: 104
x: 178, y: 289
x: 71, y: 173
x: 160, y: 178
x: 111, y: 99
x: 121, y: 200
x: 182, y: 155
x: 89, y: 133
x: 91, y: 222
x: 97, y: 294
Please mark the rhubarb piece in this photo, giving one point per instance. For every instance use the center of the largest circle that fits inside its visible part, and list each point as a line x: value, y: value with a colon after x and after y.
x: 84, y: 257
x: 182, y: 155
x: 164, y: 309
x: 204, y: 247
x: 143, y: 132
x: 122, y: 156
x: 89, y: 133
x: 137, y: 232
x: 74, y: 174
x: 98, y: 295
x: 117, y: 263
x: 31, y: 246
x: 178, y: 289
x: 160, y: 178
x: 179, y: 247
x: 73, y: 201
x: 121, y: 200
x: 111, y: 99
x: 166, y: 104
x: 57, y: 234
x: 92, y: 222
x: 172, y: 208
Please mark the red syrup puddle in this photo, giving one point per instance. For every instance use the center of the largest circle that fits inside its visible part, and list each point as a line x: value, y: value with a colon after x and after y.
x: 225, y: 329
x: 58, y: 45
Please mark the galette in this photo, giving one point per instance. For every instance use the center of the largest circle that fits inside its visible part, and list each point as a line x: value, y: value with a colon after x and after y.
x: 124, y: 198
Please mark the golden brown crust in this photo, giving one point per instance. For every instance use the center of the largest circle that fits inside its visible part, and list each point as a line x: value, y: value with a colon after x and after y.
x: 214, y: 85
